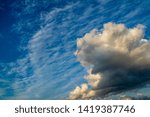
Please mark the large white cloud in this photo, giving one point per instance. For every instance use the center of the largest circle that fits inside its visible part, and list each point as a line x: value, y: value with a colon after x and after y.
x: 117, y: 59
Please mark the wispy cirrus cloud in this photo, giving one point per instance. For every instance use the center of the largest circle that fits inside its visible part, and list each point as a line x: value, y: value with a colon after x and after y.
x: 36, y: 73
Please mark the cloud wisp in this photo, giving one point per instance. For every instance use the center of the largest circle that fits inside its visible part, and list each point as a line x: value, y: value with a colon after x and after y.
x: 117, y: 59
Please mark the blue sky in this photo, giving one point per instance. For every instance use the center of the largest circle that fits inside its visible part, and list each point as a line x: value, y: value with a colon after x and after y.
x: 38, y: 41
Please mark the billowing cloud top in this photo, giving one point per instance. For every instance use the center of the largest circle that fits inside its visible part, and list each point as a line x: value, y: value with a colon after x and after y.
x: 117, y: 59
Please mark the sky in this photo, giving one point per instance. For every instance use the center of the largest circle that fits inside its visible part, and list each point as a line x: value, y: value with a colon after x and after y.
x: 39, y: 39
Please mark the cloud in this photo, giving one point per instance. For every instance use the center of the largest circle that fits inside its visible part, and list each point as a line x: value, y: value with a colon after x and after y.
x: 39, y: 65
x: 138, y: 97
x: 117, y: 59
x: 47, y: 41
x: 81, y: 92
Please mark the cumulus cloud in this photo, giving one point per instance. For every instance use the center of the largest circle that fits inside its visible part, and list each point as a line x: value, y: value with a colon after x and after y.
x: 81, y: 92
x: 117, y: 59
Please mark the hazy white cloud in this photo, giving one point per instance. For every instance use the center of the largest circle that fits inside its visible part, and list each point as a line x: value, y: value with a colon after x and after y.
x: 118, y: 59
x: 138, y: 96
